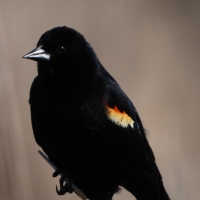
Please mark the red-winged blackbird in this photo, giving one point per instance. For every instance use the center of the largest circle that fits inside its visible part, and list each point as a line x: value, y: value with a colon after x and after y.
x: 86, y: 124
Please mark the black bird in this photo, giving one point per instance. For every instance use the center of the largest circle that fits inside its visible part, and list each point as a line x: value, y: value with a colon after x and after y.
x: 86, y: 124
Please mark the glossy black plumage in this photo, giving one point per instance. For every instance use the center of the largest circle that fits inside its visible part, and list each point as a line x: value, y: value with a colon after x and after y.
x: 86, y: 124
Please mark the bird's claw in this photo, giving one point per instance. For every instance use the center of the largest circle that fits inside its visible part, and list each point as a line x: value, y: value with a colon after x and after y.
x: 63, y: 190
x: 57, y: 172
x: 65, y: 183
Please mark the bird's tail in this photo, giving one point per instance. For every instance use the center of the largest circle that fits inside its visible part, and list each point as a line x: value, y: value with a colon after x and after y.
x: 145, y: 182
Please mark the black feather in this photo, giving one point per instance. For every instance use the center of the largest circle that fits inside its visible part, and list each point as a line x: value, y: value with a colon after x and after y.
x: 71, y: 100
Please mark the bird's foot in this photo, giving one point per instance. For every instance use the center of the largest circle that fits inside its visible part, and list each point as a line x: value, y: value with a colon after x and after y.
x: 65, y: 183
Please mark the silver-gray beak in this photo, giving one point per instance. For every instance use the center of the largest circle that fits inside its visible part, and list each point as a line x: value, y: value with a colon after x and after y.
x: 38, y: 54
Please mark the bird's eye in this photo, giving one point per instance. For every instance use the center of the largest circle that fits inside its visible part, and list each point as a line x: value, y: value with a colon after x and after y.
x: 60, y: 49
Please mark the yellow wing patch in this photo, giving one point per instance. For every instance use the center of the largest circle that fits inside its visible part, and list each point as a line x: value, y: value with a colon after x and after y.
x: 119, y: 118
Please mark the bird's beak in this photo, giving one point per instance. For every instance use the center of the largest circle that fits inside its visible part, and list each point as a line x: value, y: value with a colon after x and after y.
x: 38, y: 54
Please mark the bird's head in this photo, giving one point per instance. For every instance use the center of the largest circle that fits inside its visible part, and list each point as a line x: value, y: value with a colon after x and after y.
x: 62, y: 51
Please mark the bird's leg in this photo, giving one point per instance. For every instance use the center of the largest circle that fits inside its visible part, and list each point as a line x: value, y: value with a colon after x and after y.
x: 65, y: 183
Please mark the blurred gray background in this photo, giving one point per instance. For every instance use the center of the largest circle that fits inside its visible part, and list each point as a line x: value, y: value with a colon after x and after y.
x: 152, y: 49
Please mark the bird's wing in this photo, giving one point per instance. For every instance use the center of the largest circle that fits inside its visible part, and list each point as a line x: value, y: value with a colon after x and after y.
x: 124, y: 131
x: 126, y: 137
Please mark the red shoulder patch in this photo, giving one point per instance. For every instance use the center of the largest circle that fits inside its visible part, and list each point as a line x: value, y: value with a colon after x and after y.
x: 118, y: 117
